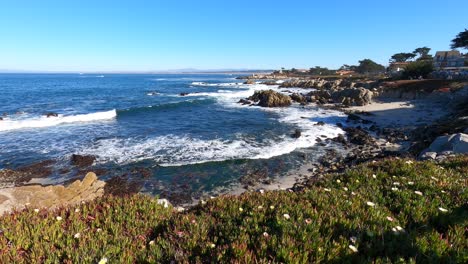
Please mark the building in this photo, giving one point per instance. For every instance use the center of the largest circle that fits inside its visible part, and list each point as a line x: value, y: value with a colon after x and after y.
x: 448, y: 59
x: 345, y: 72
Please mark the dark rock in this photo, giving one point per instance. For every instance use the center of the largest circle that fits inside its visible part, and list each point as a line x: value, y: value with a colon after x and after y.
x: 340, y: 139
x: 122, y: 186
x: 50, y: 114
x: 82, y: 161
x: 183, y: 94
x: 252, y: 178
x: 249, y: 82
x: 141, y: 172
x: 339, y: 124
x: 319, y: 123
x: 359, y: 137
x: 297, y: 133
x: 298, y: 98
x: 244, y: 102
x: 270, y: 98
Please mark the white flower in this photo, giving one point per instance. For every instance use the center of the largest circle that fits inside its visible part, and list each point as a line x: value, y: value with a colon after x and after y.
x: 326, y: 189
x: 434, y: 178
x: 371, y: 204
x: 98, y: 230
x: 443, y: 210
x: 357, y: 181
x: 389, y: 218
x: 202, y: 201
x: 442, y: 191
x: 262, y: 191
x: 77, y: 210
x: 265, y: 234
x: 411, y: 183
x: 353, y: 239
x: 308, y: 221
x: 353, y: 248
x: 396, y: 183
x: 345, y: 188
x: 151, y: 242
x: 338, y: 181
x: 374, y: 176
x: 212, y: 197
x: 58, y: 218
x: 77, y: 235
x: 36, y: 210
x: 409, y: 162
x: 353, y: 193
x: 260, y: 207
x: 286, y: 216
x: 399, y: 228
x: 103, y: 261
x: 394, y: 189
x: 212, y: 245
x: 240, y: 209
x: 418, y: 193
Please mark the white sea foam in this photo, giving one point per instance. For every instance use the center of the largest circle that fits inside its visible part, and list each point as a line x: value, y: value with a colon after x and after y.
x: 215, y: 84
x: 173, y: 150
x: 39, y: 122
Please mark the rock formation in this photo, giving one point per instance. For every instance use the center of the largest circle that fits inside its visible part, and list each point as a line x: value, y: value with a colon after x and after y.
x: 270, y: 98
x: 36, y: 196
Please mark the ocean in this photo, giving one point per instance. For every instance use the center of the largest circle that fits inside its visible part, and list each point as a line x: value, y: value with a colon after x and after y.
x: 200, y: 143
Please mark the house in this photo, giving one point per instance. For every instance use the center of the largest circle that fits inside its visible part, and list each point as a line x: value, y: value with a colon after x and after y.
x: 448, y: 59
x: 345, y: 72
x: 397, y: 67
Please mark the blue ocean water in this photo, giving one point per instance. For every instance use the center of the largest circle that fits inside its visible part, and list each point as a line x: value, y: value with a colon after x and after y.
x: 204, y: 140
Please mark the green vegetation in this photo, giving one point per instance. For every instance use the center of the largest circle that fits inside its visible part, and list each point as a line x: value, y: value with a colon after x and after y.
x: 461, y: 40
x: 321, y: 71
x: 402, y: 57
x: 388, y: 211
x: 367, y: 66
x: 418, y: 68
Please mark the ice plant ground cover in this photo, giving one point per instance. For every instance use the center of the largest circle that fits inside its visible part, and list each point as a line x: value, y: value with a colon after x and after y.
x: 325, y: 222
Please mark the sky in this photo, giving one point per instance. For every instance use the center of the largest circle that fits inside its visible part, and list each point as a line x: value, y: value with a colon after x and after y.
x: 159, y: 35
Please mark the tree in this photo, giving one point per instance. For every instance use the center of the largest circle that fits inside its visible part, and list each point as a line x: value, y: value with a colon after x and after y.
x: 460, y: 41
x: 422, y: 52
x: 367, y: 66
x: 402, y: 57
x: 418, y: 68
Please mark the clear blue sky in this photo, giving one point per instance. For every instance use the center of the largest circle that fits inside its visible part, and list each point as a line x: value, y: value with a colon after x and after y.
x: 102, y: 35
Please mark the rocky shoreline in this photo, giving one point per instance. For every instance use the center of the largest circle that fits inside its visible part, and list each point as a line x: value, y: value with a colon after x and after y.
x: 368, y: 138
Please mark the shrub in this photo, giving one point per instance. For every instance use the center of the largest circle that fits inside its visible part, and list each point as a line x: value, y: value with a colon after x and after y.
x: 418, y: 68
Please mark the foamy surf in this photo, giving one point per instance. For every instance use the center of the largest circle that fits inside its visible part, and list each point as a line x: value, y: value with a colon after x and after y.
x: 40, y: 122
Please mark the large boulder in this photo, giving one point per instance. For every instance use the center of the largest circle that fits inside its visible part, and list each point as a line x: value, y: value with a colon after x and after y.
x: 82, y: 161
x: 455, y: 143
x: 270, y: 98
x: 353, y: 96
x: 36, y: 196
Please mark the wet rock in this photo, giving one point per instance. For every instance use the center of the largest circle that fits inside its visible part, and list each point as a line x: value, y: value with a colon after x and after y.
x: 21, y: 175
x: 298, y: 98
x: 1, y: 118
x: 82, y: 161
x: 319, y: 123
x: 252, y: 178
x: 270, y: 98
x: 339, y: 124
x: 244, y: 102
x: 340, y: 139
x: 122, y: 186
x: 51, y: 196
x: 184, y: 94
x: 359, y: 137
x: 297, y: 134
x: 51, y: 114
x: 141, y: 172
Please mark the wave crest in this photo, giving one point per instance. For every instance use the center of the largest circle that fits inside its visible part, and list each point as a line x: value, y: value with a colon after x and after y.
x: 39, y: 122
